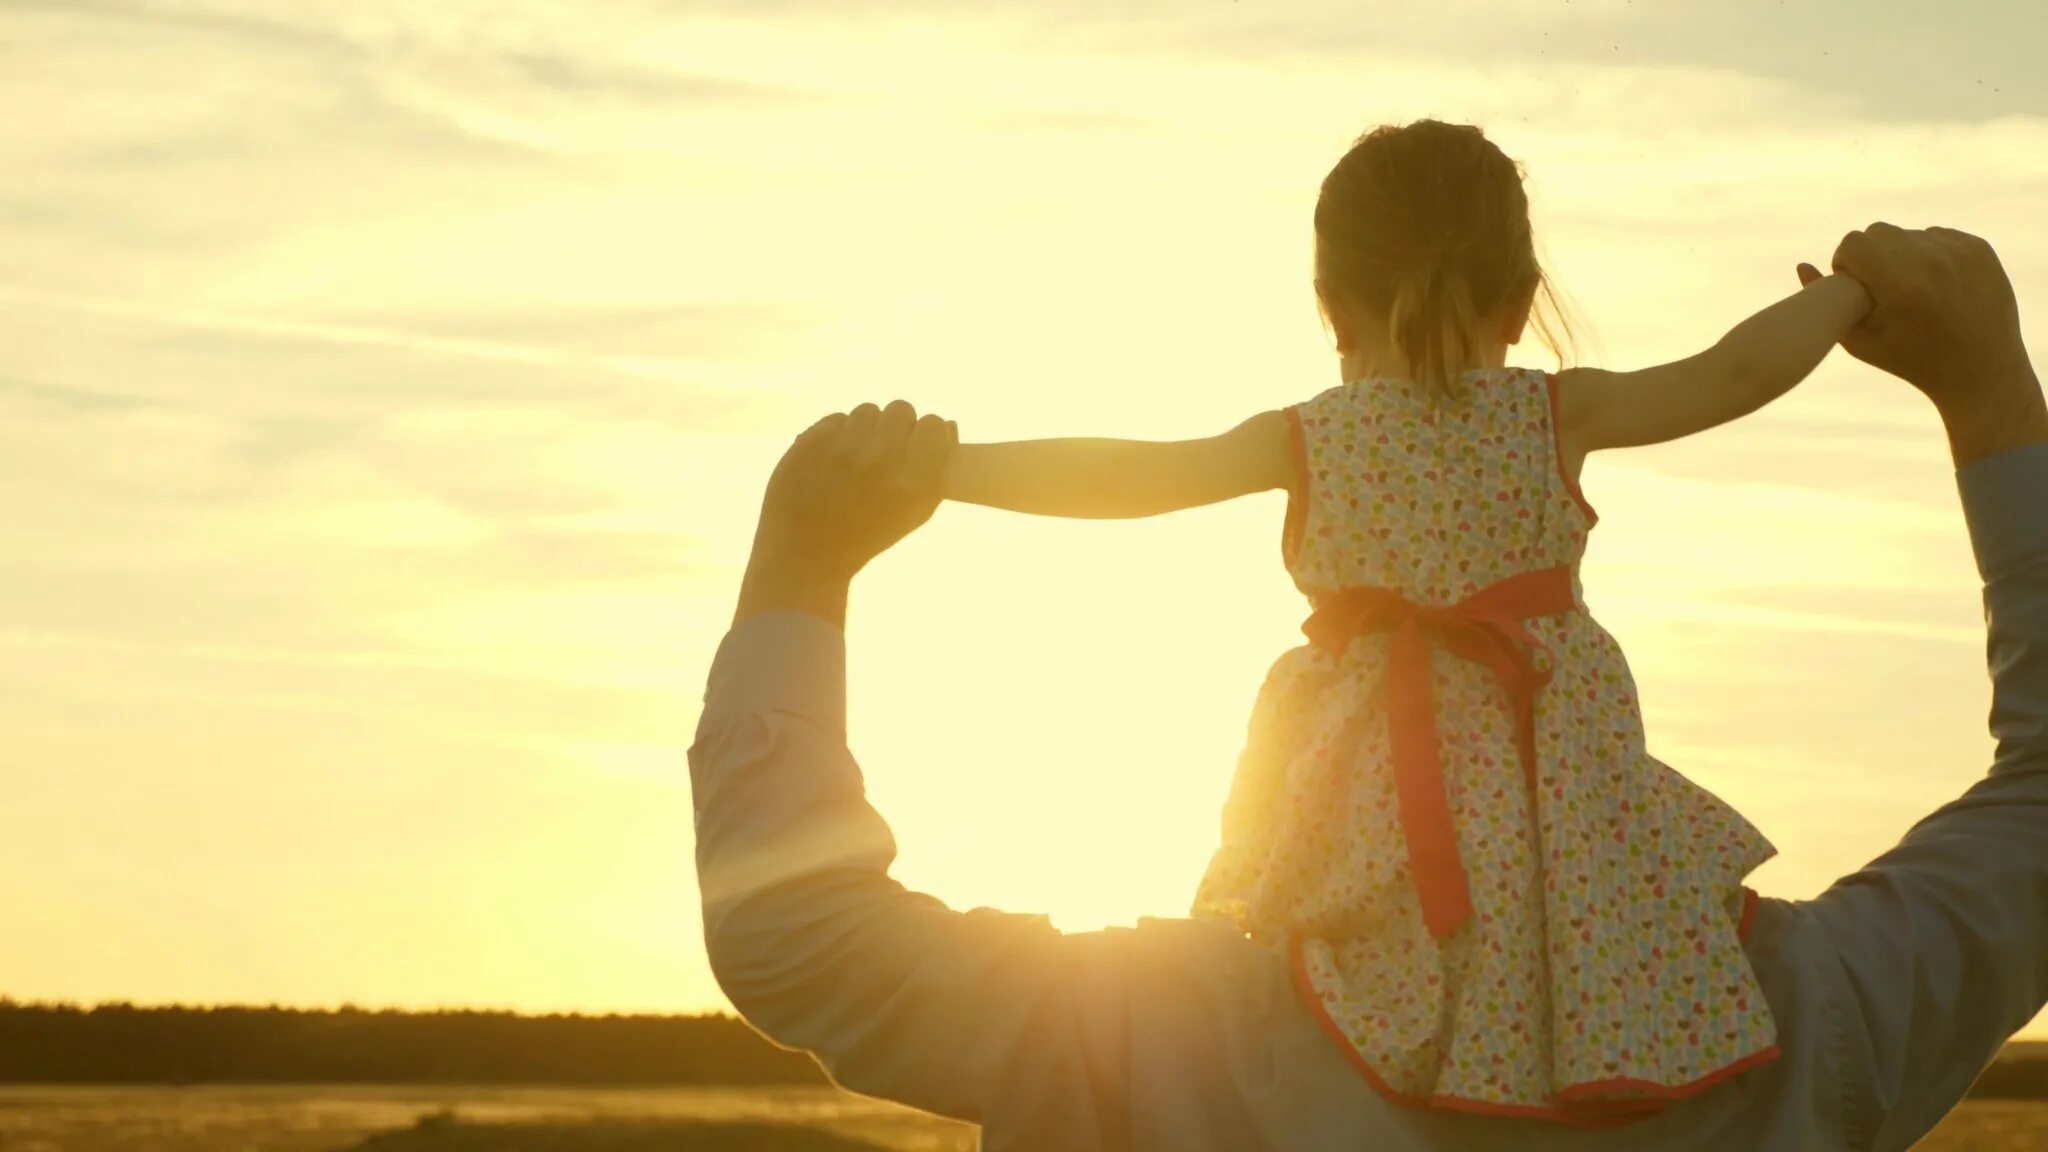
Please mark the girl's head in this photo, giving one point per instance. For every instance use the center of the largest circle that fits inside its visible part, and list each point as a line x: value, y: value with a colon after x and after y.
x: 1424, y: 257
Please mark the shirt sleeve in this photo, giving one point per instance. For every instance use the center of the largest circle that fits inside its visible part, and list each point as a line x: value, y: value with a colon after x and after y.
x: 1944, y: 939
x: 983, y: 1016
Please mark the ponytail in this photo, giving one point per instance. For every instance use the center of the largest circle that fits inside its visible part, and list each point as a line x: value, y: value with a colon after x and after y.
x: 1434, y: 325
x: 1421, y: 229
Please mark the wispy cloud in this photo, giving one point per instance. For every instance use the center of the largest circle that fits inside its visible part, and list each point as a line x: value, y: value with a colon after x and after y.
x: 585, y: 344
x: 247, y: 24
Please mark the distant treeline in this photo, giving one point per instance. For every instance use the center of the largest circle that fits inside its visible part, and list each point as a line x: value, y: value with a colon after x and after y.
x: 2021, y: 1073
x: 120, y: 1043
x: 124, y: 1044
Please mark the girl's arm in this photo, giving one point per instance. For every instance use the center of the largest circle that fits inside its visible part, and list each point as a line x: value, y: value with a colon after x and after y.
x: 1754, y: 364
x: 1123, y: 479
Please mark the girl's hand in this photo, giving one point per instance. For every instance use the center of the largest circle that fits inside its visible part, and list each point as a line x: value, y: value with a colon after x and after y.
x: 1864, y: 303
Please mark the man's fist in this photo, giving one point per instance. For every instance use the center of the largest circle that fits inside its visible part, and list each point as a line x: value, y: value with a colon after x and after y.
x: 851, y: 486
x: 1945, y: 320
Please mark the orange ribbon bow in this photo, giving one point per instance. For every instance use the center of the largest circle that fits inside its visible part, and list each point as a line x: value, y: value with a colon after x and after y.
x: 1490, y: 628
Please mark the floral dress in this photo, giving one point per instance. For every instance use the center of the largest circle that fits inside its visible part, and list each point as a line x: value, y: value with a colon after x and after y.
x: 1496, y: 900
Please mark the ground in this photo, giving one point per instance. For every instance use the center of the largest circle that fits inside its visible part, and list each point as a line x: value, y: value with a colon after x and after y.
x: 345, y: 1118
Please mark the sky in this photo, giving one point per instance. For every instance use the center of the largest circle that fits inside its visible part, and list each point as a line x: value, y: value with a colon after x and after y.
x: 386, y: 390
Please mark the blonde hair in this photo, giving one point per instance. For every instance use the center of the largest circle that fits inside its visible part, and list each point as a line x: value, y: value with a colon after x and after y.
x: 1424, y: 228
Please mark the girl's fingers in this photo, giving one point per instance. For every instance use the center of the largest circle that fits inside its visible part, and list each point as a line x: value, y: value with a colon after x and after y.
x: 1808, y: 274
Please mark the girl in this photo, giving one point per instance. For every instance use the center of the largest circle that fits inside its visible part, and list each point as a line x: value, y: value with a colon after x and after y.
x: 1494, y: 898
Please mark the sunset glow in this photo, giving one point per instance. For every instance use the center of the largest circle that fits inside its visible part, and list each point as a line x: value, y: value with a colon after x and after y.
x: 386, y: 391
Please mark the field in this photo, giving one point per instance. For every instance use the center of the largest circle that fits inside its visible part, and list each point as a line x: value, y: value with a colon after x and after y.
x: 298, y: 1118
x: 378, y: 1118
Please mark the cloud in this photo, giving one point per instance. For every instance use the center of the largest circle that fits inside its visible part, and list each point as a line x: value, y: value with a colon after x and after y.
x: 326, y: 491
x: 568, y: 74
x: 1929, y: 612
x: 247, y: 24
x: 648, y: 363
x: 641, y: 333
x: 1894, y: 62
x: 72, y: 401
x: 205, y: 526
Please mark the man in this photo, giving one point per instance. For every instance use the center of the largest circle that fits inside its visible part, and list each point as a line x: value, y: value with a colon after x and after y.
x: 1891, y: 991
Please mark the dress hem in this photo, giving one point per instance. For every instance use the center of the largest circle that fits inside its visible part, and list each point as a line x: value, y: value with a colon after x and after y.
x: 1588, y: 1114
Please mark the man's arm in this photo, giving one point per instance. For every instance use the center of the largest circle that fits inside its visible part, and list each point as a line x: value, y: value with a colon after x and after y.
x: 1944, y: 940
x: 982, y: 1016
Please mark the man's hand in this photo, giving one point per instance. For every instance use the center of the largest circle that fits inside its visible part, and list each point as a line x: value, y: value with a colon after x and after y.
x: 851, y: 486
x: 1945, y: 320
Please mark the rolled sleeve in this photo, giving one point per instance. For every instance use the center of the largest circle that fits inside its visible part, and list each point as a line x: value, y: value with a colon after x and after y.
x: 785, y: 662
x: 2005, y: 502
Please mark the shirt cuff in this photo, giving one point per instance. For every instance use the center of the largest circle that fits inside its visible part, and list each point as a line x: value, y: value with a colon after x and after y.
x: 787, y: 662
x: 2005, y: 500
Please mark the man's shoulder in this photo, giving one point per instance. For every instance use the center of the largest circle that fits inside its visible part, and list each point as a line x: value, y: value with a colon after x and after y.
x: 1220, y: 1041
